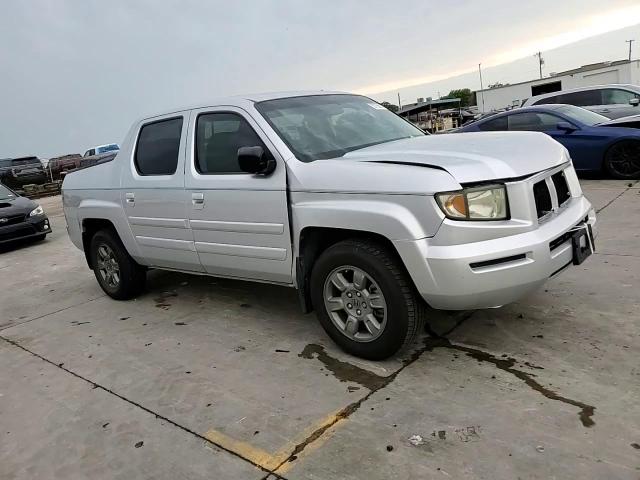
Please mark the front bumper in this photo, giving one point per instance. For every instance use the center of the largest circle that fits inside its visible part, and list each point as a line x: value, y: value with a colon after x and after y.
x: 492, y: 273
x: 30, y: 228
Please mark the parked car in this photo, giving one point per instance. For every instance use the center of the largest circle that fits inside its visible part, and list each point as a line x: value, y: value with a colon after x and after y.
x: 594, y: 142
x: 368, y: 217
x: 100, y: 149
x: 632, y: 121
x: 17, y: 172
x: 612, y: 101
x: 21, y: 218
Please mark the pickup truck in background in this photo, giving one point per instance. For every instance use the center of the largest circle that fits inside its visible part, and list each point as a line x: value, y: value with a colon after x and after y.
x: 369, y: 218
x: 100, y: 149
x: 17, y: 172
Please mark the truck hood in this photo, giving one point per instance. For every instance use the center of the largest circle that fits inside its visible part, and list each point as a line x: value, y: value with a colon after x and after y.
x: 471, y: 157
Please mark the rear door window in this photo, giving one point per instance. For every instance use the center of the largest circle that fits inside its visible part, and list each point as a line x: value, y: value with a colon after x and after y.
x: 158, y: 147
x: 582, y: 99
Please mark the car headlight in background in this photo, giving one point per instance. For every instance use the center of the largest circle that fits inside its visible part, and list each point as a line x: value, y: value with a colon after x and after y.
x: 37, y: 211
x: 476, y: 203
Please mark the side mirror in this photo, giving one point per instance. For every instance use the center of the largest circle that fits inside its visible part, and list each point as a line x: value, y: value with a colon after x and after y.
x: 634, y: 101
x: 253, y: 160
x: 566, y: 127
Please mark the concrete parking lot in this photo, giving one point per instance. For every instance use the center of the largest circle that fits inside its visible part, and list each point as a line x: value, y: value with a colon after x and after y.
x: 210, y: 378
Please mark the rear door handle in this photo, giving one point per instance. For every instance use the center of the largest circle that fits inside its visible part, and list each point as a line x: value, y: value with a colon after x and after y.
x: 197, y: 199
x: 130, y: 198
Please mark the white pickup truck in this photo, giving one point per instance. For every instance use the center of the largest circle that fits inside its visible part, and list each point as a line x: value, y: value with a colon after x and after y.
x: 368, y: 217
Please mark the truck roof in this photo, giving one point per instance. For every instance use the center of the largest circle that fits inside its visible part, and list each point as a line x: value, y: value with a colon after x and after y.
x: 240, y: 99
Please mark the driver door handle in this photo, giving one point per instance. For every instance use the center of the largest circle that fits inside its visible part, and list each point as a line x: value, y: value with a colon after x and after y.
x: 197, y: 200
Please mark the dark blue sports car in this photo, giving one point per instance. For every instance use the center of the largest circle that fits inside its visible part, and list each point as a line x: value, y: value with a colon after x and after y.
x: 594, y: 145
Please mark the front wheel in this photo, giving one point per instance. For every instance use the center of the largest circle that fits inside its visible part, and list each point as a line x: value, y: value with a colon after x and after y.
x: 117, y: 273
x: 365, y: 300
x: 622, y: 160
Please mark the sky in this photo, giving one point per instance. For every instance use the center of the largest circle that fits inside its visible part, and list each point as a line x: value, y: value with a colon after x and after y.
x: 77, y: 73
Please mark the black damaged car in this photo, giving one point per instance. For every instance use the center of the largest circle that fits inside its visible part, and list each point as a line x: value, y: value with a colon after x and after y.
x: 21, y: 218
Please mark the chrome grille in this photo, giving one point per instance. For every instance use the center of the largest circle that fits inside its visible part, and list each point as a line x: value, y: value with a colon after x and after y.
x: 542, y: 197
x: 550, y: 193
x: 562, y: 188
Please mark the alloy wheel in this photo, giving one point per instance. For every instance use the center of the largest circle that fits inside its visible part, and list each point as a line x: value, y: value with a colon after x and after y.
x: 355, y: 303
x: 108, y: 266
x: 625, y: 159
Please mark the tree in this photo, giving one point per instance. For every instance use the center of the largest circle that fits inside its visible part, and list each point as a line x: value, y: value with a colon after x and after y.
x: 464, y: 94
x: 390, y: 106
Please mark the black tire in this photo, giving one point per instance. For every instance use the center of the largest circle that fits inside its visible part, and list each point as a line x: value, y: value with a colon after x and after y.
x: 622, y: 160
x: 131, y: 276
x: 404, y: 307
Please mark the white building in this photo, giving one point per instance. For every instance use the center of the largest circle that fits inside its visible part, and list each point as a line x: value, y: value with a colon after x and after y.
x: 509, y: 96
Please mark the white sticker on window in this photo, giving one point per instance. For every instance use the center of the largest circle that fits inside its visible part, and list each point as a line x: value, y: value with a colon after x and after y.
x: 376, y: 106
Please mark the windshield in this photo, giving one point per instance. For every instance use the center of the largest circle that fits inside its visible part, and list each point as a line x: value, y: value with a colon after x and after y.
x: 581, y: 115
x: 6, y: 194
x: 328, y: 126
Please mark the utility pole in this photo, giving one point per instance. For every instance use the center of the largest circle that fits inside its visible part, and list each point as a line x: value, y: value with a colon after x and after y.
x: 399, y: 104
x: 481, y: 87
x: 540, y: 61
x: 630, y: 42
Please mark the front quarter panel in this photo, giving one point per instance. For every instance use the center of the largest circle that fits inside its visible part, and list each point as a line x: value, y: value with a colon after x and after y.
x: 396, y: 217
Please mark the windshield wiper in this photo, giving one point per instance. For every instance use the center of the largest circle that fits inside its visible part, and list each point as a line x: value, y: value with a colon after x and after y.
x: 360, y: 147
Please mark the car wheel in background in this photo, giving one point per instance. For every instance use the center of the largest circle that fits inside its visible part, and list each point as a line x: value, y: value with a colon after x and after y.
x: 622, y: 160
x: 117, y: 273
x: 365, y: 299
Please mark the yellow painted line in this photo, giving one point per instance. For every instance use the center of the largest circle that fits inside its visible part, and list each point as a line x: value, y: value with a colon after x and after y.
x: 246, y: 450
x: 270, y: 461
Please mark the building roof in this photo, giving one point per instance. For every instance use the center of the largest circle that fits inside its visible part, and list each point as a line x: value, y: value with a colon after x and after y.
x: 424, y: 106
x: 555, y: 75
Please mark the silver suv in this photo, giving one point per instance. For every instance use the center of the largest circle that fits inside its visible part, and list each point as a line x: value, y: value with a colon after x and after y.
x: 612, y: 101
x: 367, y: 217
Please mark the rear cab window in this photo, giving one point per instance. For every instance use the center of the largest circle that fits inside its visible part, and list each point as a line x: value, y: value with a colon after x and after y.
x: 158, y: 147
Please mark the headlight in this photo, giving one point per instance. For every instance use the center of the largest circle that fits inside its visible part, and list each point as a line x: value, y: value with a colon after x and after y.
x: 476, y: 203
x: 37, y: 211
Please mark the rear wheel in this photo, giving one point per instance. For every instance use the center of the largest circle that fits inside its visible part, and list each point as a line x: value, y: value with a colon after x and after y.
x: 117, y: 273
x: 622, y: 160
x: 365, y: 300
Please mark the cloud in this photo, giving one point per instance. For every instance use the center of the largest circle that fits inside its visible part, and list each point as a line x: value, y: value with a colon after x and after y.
x: 76, y: 73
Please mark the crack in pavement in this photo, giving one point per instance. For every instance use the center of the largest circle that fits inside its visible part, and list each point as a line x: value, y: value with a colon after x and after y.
x: 345, y: 372
x: 629, y: 187
x: 11, y: 325
x: 617, y: 254
x: 506, y: 364
x: 136, y: 404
